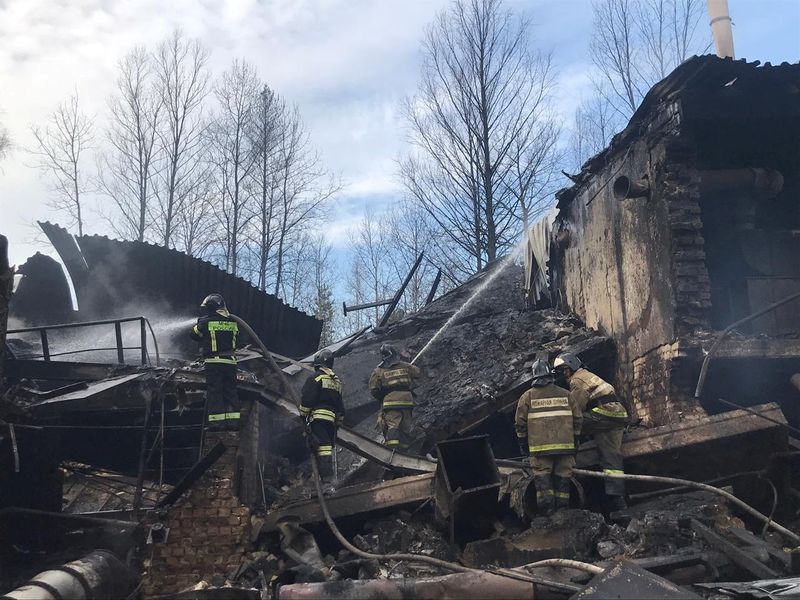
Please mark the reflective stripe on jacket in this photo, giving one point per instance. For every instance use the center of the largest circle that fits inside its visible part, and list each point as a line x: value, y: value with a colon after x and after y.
x: 217, y: 335
x: 591, y: 393
x: 321, y: 397
x: 393, y: 384
x: 548, y: 419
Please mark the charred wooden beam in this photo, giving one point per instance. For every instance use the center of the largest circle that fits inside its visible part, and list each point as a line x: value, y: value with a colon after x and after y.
x: 353, y: 500
x: 737, y: 556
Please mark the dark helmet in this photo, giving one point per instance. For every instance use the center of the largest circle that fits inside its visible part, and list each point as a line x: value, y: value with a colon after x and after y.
x: 323, y: 358
x: 213, y: 303
x: 541, y: 372
x: 387, y: 351
x: 567, y: 359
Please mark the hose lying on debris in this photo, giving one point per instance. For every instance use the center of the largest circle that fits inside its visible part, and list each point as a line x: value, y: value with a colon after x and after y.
x: 421, y: 558
x: 414, y: 558
x: 700, y: 486
x: 566, y: 563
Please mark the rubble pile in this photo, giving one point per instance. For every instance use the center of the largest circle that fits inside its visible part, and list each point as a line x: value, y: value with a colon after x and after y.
x: 483, y: 355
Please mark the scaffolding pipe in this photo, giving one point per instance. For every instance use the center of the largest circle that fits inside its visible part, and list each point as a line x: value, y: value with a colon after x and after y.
x: 700, y: 486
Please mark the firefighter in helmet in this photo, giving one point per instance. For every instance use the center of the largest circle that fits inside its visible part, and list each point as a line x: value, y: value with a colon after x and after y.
x: 604, y: 419
x: 546, y: 422
x: 392, y: 382
x: 216, y: 331
x: 322, y: 409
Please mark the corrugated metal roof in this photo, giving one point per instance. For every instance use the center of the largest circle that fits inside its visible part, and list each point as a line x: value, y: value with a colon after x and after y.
x: 111, y: 275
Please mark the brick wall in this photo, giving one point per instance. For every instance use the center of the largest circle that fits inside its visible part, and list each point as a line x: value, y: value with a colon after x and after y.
x: 209, y: 528
x: 680, y: 187
x: 663, y: 384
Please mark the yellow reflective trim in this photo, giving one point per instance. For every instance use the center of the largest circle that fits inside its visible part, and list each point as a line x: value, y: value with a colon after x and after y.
x: 303, y: 410
x: 614, y: 471
x: 398, y: 403
x: 550, y: 413
x: 392, y: 442
x: 545, y: 493
x: 223, y: 416
x: 220, y: 360
x: 610, y: 413
x: 562, y: 495
x: 324, y: 452
x: 546, y: 447
x: 214, y: 326
x: 323, y: 415
x: 196, y: 330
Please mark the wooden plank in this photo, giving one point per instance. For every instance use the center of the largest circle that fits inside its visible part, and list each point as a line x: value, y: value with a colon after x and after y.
x: 737, y: 556
x: 643, y: 442
x: 355, y: 499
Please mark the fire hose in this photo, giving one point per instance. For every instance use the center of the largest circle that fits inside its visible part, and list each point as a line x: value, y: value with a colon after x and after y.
x: 414, y: 558
x: 700, y: 486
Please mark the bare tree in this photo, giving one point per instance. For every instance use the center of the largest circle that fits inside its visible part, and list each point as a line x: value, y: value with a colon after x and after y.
x: 267, y: 120
x: 409, y: 234
x: 181, y: 68
x: 481, y: 104
x: 236, y: 93
x: 60, y: 151
x: 196, y: 231
x: 370, y: 249
x: 595, y: 121
x: 635, y: 43
x: 303, y: 185
x: 126, y: 172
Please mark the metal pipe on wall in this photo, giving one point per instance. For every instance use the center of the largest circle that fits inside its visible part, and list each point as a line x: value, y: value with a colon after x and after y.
x: 766, y: 183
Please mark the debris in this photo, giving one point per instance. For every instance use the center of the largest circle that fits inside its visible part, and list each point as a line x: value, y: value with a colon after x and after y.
x: 626, y: 580
x: 467, y: 586
x: 568, y: 533
x: 467, y: 484
x: 771, y: 589
x: 736, y: 554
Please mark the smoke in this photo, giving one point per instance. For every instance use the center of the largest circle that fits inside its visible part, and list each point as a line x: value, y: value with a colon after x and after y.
x: 98, y: 343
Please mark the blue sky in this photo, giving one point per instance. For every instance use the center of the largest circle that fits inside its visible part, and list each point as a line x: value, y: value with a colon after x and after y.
x: 346, y: 63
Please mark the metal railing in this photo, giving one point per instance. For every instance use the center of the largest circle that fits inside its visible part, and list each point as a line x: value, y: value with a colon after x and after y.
x: 46, y: 354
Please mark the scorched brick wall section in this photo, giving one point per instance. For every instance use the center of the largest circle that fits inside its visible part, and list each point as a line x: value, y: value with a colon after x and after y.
x: 209, y: 529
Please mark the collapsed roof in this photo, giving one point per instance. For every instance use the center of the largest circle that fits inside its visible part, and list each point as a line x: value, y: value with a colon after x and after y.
x: 113, y: 277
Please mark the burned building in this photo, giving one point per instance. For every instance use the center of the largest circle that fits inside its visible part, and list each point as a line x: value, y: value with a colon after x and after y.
x: 686, y: 224
x: 108, y: 468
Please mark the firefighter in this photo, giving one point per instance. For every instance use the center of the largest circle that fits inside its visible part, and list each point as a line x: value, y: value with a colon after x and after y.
x: 392, y: 382
x: 604, y: 419
x: 322, y: 409
x: 546, y: 423
x: 217, y: 331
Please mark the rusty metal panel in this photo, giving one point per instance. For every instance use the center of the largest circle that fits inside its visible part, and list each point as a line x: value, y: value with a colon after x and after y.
x: 120, y: 275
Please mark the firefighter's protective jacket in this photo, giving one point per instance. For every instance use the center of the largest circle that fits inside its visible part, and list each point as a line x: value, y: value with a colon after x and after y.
x: 591, y: 393
x: 321, y: 397
x: 217, y: 336
x: 549, y: 419
x: 393, y: 384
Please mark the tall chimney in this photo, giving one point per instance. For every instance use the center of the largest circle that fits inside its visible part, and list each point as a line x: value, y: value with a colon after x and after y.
x: 721, y: 27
